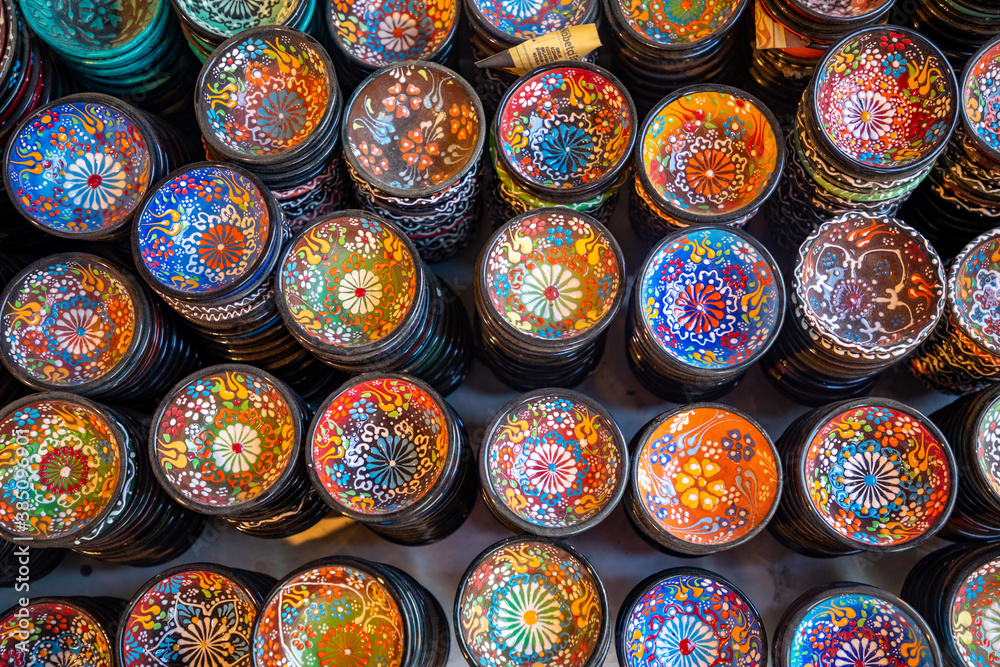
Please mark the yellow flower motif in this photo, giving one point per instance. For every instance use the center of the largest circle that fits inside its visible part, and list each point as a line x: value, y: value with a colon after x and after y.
x: 695, y: 486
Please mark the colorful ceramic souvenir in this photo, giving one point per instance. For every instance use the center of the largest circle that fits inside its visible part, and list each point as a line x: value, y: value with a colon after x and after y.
x: 705, y: 475
x: 553, y: 463
x: 527, y: 601
x: 674, y: 22
x: 974, y: 608
x: 689, y: 617
x: 56, y: 631
x: 839, y: 9
x: 527, y: 19
x: 104, y: 30
x: 380, y: 33
x: 980, y: 107
x: 226, y: 19
x: 973, y: 291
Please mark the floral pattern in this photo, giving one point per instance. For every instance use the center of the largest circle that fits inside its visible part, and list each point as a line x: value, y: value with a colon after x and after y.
x: 527, y: 602
x: 679, y: 21
x: 981, y: 99
x: 974, y: 291
x: 388, y: 31
x: 80, y: 167
x: 330, y: 616
x: 231, y: 17
x: 92, y: 26
x: 331, y: 255
x: 886, y: 98
x: 710, y: 153
x: 869, y: 283
x: 879, y: 475
x: 987, y: 444
x: 264, y: 94
x: 974, y: 617
x: 56, y: 634
x: 72, y: 456
x: 380, y: 445
x: 527, y: 19
x: 68, y: 321
x: 859, y: 630
x: 553, y: 274
x: 414, y: 127
x: 711, y: 298
x: 203, y: 230
x: 566, y: 127
x: 692, y: 619
x: 194, y: 618
x: 554, y: 461
x: 706, y: 475
x: 224, y: 438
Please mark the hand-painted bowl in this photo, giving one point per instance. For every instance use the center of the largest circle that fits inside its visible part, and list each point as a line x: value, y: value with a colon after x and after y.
x: 514, y: 21
x: 884, y: 100
x: 221, y: 19
x: 710, y: 153
x: 566, y: 129
x: 95, y: 31
x: 666, y: 25
x: 376, y: 34
x: 974, y: 291
x: 868, y: 285
x: 840, y: 12
x: 47, y: 630
x: 980, y: 108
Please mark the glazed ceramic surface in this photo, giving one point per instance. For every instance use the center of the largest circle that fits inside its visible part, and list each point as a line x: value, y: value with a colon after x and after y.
x: 348, y: 280
x: 974, y: 617
x: 530, y: 602
x: 870, y: 283
x: 226, y: 18
x: 265, y: 93
x: 330, y: 615
x: 981, y: 98
x: 692, y: 620
x: 527, y: 19
x: 885, y: 98
x: 381, y: 32
x: 194, y: 618
x: 553, y: 275
x: 56, y: 634
x: 224, y: 438
x: 68, y: 323
x: 841, y: 9
x: 987, y: 443
x: 79, y: 167
x: 877, y: 476
x: 414, y: 127
x: 707, y: 476
x: 91, y: 28
x: 380, y: 446
x: 71, y: 461
x: 710, y: 298
x: 203, y: 230
x: 565, y: 128
x: 710, y: 153
x: 974, y: 291
x: 855, y: 628
x: 678, y: 21
x: 554, y: 461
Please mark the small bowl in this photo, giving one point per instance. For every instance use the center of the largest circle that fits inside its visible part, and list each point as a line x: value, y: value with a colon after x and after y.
x: 60, y: 628
x: 980, y: 108
x: 211, y: 19
x: 512, y: 23
x: 973, y: 280
x: 841, y: 13
x: 673, y: 25
x: 372, y: 35
x: 79, y: 34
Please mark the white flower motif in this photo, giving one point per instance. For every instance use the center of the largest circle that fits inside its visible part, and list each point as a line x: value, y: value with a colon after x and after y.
x: 360, y: 291
x: 528, y: 618
x: 551, y: 292
x: 78, y: 331
x: 686, y: 641
x: 868, y: 114
x: 397, y: 31
x: 236, y: 448
x: 94, y: 181
x: 860, y: 652
x: 991, y: 625
x: 551, y: 468
x: 63, y: 659
x: 521, y: 8
x: 871, y: 480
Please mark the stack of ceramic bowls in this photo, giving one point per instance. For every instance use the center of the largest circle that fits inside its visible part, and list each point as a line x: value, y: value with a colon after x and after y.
x: 863, y: 475
x: 386, y: 616
x: 972, y: 426
x: 703, y: 478
x: 76, y: 322
x: 82, y: 481
x: 669, y: 608
x: 568, y: 622
x: 267, y: 100
x: 563, y: 136
x: 195, y: 615
x: 879, y: 110
x: 958, y: 27
x: 866, y: 291
x: 962, y: 355
x: 856, y: 622
x: 413, y: 137
x: 207, y: 239
x: 78, y: 167
x: 21, y: 565
x: 706, y: 304
x: 130, y: 49
x: 390, y: 453
x: 706, y: 154
x: 207, y: 23
x: 370, y: 35
x: 660, y: 47
x: 960, y: 199
x: 498, y: 26
x: 227, y: 441
x: 552, y: 463
x: 957, y: 589
x: 547, y: 285
x: 792, y: 36
x: 75, y: 630
x: 353, y: 290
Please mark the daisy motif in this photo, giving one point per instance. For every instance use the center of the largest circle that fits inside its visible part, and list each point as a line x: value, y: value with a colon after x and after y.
x: 360, y: 291
x: 94, y: 181
x: 868, y: 114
